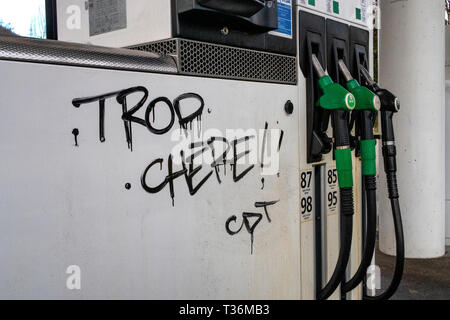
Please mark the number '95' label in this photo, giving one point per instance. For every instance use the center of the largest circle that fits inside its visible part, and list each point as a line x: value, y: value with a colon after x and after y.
x: 332, y: 191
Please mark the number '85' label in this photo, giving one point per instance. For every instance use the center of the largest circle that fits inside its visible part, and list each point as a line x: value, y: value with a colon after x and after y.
x: 306, y: 195
x: 332, y: 191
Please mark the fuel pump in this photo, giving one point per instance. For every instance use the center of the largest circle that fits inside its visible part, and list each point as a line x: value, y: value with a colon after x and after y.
x: 367, y: 106
x: 325, y: 37
x: 338, y: 101
x: 389, y: 106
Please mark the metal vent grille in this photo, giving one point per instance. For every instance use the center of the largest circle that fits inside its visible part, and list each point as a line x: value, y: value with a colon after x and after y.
x: 210, y: 60
x: 168, y: 47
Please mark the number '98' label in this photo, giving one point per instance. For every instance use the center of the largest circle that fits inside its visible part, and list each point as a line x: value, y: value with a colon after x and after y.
x: 306, y: 195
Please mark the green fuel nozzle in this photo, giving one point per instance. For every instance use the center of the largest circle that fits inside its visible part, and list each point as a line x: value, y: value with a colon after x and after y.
x: 339, y: 101
x: 365, y: 98
x: 335, y: 96
x: 367, y: 103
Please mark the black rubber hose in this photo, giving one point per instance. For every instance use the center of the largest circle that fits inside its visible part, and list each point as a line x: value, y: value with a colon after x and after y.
x: 371, y: 235
x: 399, y: 239
x: 344, y: 252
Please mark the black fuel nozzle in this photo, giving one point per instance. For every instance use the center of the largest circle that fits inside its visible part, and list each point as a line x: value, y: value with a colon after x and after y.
x: 390, y: 105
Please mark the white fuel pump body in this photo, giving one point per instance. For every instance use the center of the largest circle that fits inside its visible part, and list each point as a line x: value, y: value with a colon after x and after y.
x: 344, y: 12
x: 81, y: 202
x: 67, y: 205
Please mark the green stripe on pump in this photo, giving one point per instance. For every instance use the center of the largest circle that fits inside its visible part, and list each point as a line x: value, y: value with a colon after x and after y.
x: 368, y: 157
x: 344, y: 167
x: 336, y: 7
x: 358, y: 14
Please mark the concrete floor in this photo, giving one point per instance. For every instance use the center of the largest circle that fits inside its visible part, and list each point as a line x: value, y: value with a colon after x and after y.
x: 422, y: 279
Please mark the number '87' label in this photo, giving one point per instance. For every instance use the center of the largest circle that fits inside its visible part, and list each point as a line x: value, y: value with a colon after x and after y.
x: 306, y: 195
x: 332, y: 191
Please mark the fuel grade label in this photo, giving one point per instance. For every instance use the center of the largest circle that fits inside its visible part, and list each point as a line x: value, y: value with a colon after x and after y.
x: 306, y: 195
x: 332, y: 191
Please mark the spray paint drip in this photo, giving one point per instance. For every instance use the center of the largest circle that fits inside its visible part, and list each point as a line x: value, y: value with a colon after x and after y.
x: 75, y: 133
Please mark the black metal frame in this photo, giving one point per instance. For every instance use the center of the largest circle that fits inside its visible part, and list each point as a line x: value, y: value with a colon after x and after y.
x: 51, y: 19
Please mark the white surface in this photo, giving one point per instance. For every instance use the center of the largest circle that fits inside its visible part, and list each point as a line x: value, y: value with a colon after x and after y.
x: 146, y: 21
x: 411, y: 60
x: 63, y: 205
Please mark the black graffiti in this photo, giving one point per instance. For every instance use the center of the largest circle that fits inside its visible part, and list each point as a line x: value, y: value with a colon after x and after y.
x: 265, y: 205
x: 176, y: 111
x: 101, y: 124
x: 281, y: 140
x: 101, y: 99
x: 169, y: 179
x: 222, y: 159
x: 246, y: 216
x: 128, y: 116
x: 236, y: 176
x: 189, y: 170
x: 246, y: 221
x: 75, y: 133
x: 263, y: 149
x: 152, y: 108
x: 195, y: 115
